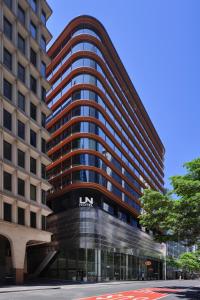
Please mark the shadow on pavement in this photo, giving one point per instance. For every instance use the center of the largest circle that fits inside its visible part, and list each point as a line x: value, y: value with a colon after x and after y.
x: 183, y: 292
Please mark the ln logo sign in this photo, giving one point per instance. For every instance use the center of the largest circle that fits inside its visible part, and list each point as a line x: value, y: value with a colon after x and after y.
x: 86, y: 201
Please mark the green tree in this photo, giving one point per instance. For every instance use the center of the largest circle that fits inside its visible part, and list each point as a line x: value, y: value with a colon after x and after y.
x: 175, y: 216
x: 189, y: 262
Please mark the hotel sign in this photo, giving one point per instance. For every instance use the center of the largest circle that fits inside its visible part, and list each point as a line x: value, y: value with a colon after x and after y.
x: 86, y: 202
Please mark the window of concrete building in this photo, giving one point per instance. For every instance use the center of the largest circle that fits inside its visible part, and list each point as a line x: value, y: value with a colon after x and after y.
x: 21, y: 72
x: 21, y: 129
x: 7, y: 58
x: 33, y: 111
x: 21, y: 158
x: 21, y: 101
x: 21, y: 14
x: 8, y: 3
x: 43, y: 146
x: 33, y: 138
x: 33, y: 219
x: 21, y: 43
x: 7, y: 181
x: 7, y: 212
x: 43, y: 69
x: 33, y: 164
x: 43, y: 196
x: 43, y: 94
x: 33, y: 57
x: 43, y: 222
x: 21, y: 215
x: 43, y: 171
x: 33, y: 192
x: 7, y: 89
x: 21, y: 186
x: 43, y: 43
x: 7, y: 150
x: 33, y: 4
x: 7, y: 28
x: 7, y: 119
x: 43, y: 119
x: 33, y: 30
x: 43, y: 17
x: 33, y: 84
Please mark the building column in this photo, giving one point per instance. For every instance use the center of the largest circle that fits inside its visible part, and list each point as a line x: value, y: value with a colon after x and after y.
x: 98, y: 264
x: 126, y: 266
x: 18, y: 247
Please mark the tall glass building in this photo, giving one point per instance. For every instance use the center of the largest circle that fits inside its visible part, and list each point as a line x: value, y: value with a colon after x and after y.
x: 105, y: 151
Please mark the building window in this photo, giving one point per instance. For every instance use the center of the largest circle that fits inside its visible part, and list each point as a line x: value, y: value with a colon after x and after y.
x: 43, y: 119
x: 43, y: 171
x: 7, y: 150
x: 33, y: 165
x: 43, y: 17
x: 21, y: 72
x: 33, y: 30
x: 7, y: 89
x: 21, y: 101
x: 108, y: 208
x: 33, y: 219
x: 43, y: 69
x: 43, y: 196
x: 21, y: 14
x: 33, y: 111
x: 33, y: 138
x: 33, y: 192
x: 20, y: 158
x: 7, y: 58
x: 43, y: 94
x: 7, y: 119
x: 8, y: 3
x: 21, y: 129
x: 33, y: 57
x: 33, y: 84
x: 7, y: 181
x: 21, y: 43
x: 43, y: 43
x: 33, y: 4
x: 21, y: 216
x: 43, y: 222
x: 7, y: 28
x: 21, y: 187
x: 7, y: 212
x: 43, y: 146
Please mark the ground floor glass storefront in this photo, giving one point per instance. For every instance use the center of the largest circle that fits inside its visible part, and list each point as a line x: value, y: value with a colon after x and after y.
x: 102, y: 265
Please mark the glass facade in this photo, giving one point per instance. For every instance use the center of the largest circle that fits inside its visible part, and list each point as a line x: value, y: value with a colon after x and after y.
x: 83, y: 265
x: 102, y: 149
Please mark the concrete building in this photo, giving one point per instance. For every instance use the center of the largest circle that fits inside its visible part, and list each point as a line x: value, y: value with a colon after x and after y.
x: 23, y: 86
x: 105, y: 151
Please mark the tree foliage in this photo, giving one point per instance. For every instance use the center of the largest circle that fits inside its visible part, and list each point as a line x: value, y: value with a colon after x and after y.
x: 175, y: 218
x: 189, y: 262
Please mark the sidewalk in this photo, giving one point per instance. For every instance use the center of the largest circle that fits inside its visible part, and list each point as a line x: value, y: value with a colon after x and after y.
x: 15, y: 288
x: 59, y: 285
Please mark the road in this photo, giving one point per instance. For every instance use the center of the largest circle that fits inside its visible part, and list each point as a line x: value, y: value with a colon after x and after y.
x: 135, y: 290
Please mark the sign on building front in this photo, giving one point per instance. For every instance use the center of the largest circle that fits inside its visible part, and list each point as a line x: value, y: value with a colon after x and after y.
x: 86, y: 202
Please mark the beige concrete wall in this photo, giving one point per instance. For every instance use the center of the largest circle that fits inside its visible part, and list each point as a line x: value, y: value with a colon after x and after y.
x: 18, y: 237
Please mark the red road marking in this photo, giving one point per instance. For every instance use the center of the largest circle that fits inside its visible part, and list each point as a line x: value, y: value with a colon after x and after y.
x: 142, y: 294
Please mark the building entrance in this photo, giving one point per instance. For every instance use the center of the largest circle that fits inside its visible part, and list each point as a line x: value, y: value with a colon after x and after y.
x: 6, y: 267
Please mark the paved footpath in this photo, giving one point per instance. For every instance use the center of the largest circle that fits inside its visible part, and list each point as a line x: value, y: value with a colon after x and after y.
x: 135, y: 290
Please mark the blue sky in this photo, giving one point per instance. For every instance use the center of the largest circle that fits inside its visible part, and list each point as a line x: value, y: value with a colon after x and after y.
x: 159, y: 45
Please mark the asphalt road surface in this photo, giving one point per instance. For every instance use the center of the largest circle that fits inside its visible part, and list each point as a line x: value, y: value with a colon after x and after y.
x: 135, y: 290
